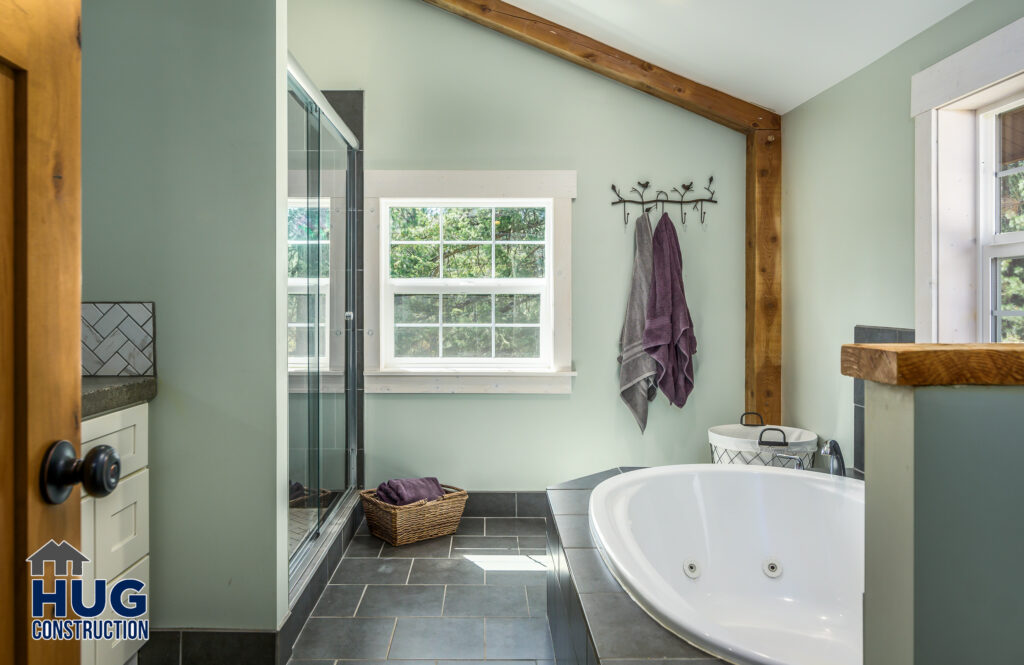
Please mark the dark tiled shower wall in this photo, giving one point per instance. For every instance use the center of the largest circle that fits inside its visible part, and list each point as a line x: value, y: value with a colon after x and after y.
x: 870, y: 335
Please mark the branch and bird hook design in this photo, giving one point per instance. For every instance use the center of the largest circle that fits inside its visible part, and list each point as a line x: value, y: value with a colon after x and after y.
x: 683, y: 191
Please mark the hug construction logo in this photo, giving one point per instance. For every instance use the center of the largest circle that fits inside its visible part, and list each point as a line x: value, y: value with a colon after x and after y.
x: 124, y: 598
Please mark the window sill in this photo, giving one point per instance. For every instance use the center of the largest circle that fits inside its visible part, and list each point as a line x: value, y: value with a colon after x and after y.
x: 331, y: 381
x: 468, y: 381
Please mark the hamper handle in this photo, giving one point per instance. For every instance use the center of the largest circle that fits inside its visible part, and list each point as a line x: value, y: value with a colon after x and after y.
x: 762, y: 442
x: 751, y: 413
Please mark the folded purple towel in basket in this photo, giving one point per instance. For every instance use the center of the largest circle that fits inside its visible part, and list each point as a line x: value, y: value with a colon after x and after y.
x: 402, y: 491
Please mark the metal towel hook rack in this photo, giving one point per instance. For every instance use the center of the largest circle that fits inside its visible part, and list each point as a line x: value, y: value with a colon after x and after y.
x: 683, y: 191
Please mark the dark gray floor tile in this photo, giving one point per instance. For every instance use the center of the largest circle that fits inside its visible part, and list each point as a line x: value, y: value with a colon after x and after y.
x: 538, y: 599
x: 518, y: 638
x: 435, y: 548
x: 372, y: 571
x: 516, y: 577
x: 535, y: 553
x: 215, y: 647
x: 485, y: 601
x: 515, y: 526
x: 589, y: 571
x: 362, y: 529
x: 663, y: 661
x: 574, y: 530
x: 530, y: 504
x: 339, y: 600
x: 163, y: 648
x: 364, y: 546
x: 569, y: 502
x: 344, y: 638
x: 491, y: 504
x: 586, y: 482
x: 478, y: 662
x: 487, y: 544
x: 412, y: 600
x: 319, y: 661
x: 533, y: 542
x: 445, y: 571
x: 471, y: 526
x: 622, y: 630
x: 454, y: 638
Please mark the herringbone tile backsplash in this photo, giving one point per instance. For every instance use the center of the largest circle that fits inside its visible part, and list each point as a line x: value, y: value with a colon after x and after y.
x: 118, y: 339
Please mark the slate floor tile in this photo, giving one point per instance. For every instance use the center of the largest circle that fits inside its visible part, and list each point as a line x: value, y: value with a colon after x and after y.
x: 589, y: 572
x: 502, y: 544
x: 372, y: 571
x: 435, y: 548
x: 454, y: 638
x: 538, y: 598
x: 471, y: 526
x: 485, y: 601
x: 414, y: 600
x: 516, y: 577
x: 364, y: 546
x: 344, y: 638
x: 515, y: 526
x: 622, y: 630
x: 570, y: 502
x: 518, y: 638
x: 339, y: 600
x: 445, y: 571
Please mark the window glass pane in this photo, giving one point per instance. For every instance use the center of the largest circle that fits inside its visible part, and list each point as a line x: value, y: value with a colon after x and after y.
x: 1011, y: 283
x: 297, y: 341
x: 298, y: 307
x: 297, y: 263
x: 519, y: 224
x: 519, y: 261
x: 516, y: 342
x: 467, y: 224
x: 1011, y: 203
x: 325, y: 260
x: 415, y: 224
x: 298, y: 224
x: 1011, y: 329
x: 416, y: 309
x: 517, y: 308
x: 467, y: 261
x: 415, y: 260
x: 416, y: 342
x: 467, y: 308
x: 325, y: 224
x: 467, y: 342
x: 1011, y: 139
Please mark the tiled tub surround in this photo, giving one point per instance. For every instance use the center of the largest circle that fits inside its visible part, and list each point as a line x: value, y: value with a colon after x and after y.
x: 593, y: 621
x: 870, y: 335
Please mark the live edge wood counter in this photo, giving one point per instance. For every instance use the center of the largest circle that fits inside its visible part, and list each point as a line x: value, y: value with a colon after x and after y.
x: 935, y: 364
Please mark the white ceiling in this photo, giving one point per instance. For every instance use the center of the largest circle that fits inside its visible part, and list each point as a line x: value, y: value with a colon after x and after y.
x: 776, y: 54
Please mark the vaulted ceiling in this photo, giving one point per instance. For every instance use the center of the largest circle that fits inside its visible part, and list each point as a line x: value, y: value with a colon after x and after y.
x: 776, y: 54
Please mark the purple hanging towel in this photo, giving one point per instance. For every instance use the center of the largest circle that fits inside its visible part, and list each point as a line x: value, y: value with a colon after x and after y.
x: 668, y: 333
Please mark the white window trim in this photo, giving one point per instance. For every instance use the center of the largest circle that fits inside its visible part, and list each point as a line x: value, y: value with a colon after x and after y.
x: 557, y: 189
x: 945, y: 100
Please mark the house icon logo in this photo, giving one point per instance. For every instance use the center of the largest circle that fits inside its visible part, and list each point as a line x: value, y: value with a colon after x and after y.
x: 62, y: 556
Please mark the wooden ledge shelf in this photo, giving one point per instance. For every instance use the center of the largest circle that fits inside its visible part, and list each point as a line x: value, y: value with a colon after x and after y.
x: 935, y: 364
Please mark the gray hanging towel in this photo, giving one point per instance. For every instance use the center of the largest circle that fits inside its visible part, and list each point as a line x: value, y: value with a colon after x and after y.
x: 668, y: 333
x: 637, y: 369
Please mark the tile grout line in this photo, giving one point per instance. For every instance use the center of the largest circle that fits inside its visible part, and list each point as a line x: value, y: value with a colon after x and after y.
x: 361, y: 596
x: 391, y: 640
x: 409, y: 576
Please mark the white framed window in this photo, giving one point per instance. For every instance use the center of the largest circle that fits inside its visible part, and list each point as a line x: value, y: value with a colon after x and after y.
x: 969, y: 171
x: 1001, y: 212
x: 309, y: 284
x: 467, y: 281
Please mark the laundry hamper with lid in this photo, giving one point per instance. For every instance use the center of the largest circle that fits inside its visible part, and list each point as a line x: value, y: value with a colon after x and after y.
x: 760, y: 444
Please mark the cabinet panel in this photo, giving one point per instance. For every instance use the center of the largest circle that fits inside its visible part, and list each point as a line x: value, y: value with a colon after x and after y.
x: 122, y: 526
x: 117, y: 652
x: 127, y: 431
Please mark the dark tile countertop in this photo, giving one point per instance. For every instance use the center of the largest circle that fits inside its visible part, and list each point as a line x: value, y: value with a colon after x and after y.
x: 593, y: 621
x: 101, y: 394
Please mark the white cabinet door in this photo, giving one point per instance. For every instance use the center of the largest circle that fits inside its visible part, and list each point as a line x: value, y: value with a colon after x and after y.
x: 117, y: 652
x: 122, y: 526
x: 127, y: 431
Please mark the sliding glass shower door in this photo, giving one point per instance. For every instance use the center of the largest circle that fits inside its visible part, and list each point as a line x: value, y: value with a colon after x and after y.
x: 321, y: 405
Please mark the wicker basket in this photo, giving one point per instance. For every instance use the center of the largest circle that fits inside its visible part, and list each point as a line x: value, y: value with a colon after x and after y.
x: 401, y: 525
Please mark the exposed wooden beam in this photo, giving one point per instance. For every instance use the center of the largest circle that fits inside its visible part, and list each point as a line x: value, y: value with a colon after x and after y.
x: 613, y: 63
x: 764, y: 274
x: 764, y: 170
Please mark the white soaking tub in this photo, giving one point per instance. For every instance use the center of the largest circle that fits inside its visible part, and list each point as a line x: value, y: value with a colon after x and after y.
x: 753, y: 564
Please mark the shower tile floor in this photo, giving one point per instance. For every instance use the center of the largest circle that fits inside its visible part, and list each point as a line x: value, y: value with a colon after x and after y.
x: 300, y: 521
x: 479, y: 595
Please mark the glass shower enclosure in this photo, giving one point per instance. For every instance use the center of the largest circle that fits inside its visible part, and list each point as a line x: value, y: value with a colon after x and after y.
x: 321, y: 306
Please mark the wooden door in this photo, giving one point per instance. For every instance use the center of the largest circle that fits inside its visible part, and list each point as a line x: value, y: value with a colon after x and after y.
x: 40, y: 294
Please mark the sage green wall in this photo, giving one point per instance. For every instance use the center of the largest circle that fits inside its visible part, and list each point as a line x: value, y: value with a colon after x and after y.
x: 181, y: 205
x: 848, y: 216
x: 443, y: 93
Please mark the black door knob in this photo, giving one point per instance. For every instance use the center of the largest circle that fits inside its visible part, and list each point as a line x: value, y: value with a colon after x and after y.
x: 99, y: 471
